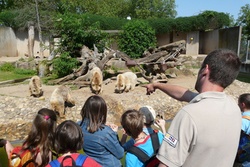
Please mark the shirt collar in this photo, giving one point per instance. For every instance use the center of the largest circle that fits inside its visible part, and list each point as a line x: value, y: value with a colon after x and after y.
x: 204, y: 95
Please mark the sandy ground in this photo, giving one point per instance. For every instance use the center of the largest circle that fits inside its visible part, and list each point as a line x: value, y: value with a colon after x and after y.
x: 21, y: 89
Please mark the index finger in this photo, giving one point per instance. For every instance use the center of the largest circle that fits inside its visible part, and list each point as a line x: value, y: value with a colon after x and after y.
x: 144, y: 85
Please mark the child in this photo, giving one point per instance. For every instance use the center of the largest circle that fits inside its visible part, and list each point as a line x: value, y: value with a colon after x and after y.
x: 68, y: 140
x: 243, y: 154
x: 133, y: 122
x: 39, y: 140
x: 149, y: 118
x: 100, y: 141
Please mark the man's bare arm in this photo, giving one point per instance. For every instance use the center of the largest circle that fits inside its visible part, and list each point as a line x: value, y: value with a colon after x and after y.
x: 177, y: 92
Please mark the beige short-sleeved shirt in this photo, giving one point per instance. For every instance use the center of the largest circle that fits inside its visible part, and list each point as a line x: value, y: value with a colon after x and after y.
x: 204, y: 133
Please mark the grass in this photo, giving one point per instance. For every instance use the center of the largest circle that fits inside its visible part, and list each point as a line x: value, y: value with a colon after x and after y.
x: 5, y: 75
x: 244, y: 77
x: 9, y: 72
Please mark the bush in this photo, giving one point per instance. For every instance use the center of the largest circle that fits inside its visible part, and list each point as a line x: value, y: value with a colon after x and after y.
x: 137, y: 36
x: 25, y: 71
x: 64, y: 65
x: 76, y: 30
x: 7, y: 67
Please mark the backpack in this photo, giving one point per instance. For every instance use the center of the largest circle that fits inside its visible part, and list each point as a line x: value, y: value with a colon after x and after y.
x: 78, y: 163
x: 21, y: 158
x: 143, y: 157
x: 244, y: 146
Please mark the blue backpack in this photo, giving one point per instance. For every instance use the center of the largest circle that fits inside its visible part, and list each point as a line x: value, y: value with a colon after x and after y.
x: 243, y: 153
x: 143, y: 157
x: 78, y: 163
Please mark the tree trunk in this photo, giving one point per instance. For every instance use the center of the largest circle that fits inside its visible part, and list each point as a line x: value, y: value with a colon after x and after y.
x: 31, y: 39
x: 39, y: 31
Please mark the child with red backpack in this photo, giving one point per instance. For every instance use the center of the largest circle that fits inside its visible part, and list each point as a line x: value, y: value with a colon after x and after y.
x: 68, y: 140
x: 35, y: 150
x: 143, y: 152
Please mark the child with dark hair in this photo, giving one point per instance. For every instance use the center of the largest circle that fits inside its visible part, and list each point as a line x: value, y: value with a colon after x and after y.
x: 244, y: 104
x: 133, y: 122
x: 243, y: 154
x: 100, y: 140
x: 39, y: 140
x: 68, y: 140
x: 149, y: 118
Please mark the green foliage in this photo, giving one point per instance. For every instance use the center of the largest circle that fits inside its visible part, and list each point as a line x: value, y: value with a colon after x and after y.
x: 76, y: 30
x: 202, y: 22
x: 161, y: 25
x: 135, y: 69
x: 7, y: 67
x: 115, y: 69
x: 9, y: 72
x: 137, y: 36
x: 7, y: 18
x: 107, y: 23
x: 143, y: 9
x: 244, y: 21
x: 18, y: 13
x: 243, y: 77
x: 25, y: 71
x: 109, y: 8
x: 46, y: 79
x: 64, y: 65
x: 213, y: 20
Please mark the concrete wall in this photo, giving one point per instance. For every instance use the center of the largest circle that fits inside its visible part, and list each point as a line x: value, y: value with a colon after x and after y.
x: 15, y: 44
x: 230, y: 38
x: 166, y: 38
x: 208, y: 41
x: 177, y: 36
x: 8, y: 42
x: 192, y: 43
x: 221, y: 38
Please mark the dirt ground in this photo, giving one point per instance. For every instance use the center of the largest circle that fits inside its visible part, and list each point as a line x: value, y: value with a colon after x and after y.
x: 21, y: 89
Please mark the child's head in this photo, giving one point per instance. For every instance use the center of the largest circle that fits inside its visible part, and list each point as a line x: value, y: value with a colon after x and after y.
x: 43, y: 127
x: 42, y: 133
x: 132, y: 122
x: 244, y: 101
x: 68, y: 137
x: 95, y: 110
x: 148, y: 115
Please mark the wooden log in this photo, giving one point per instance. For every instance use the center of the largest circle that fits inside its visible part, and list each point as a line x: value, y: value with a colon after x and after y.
x: 151, y: 58
x: 174, y: 44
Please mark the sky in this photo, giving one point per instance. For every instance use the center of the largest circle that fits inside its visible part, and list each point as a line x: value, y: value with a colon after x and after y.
x: 195, y: 7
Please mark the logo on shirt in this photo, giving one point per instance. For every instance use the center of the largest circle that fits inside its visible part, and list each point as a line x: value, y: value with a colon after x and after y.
x: 171, y: 140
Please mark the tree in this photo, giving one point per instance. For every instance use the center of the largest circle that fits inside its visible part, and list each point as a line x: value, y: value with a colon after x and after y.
x: 75, y: 30
x: 121, y: 8
x: 109, y: 8
x: 144, y: 9
x: 136, y: 37
x: 244, y: 20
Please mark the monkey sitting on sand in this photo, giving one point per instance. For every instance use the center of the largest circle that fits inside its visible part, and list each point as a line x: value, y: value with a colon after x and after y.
x: 35, y: 87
